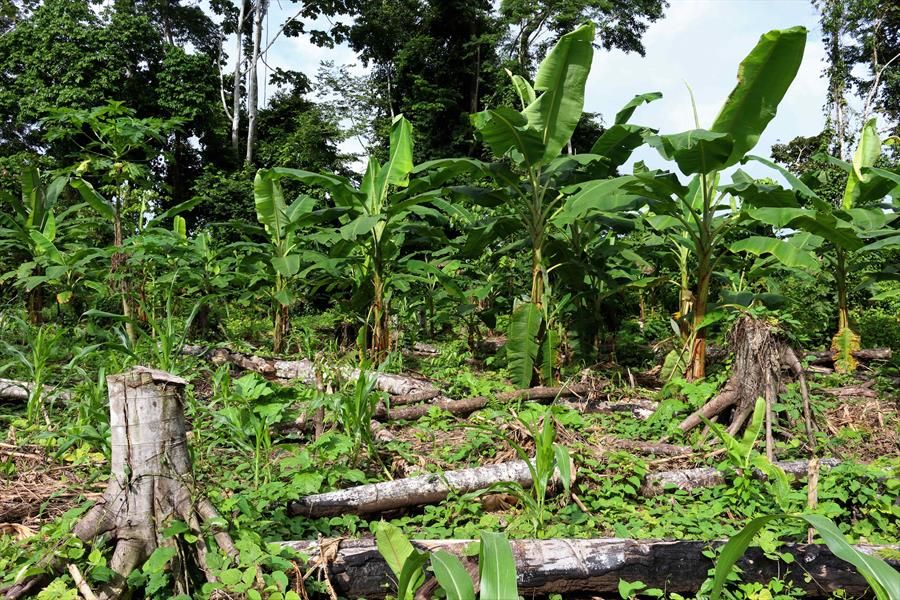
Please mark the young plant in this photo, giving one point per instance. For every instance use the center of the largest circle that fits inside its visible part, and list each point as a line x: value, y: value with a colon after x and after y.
x: 550, y: 458
x: 356, y: 409
x: 851, y: 224
x: 743, y: 457
x: 881, y: 577
x: 696, y: 217
x: 251, y: 409
x: 376, y: 222
x: 406, y: 562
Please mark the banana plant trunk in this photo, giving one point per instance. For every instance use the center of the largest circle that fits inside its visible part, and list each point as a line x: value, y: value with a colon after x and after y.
x: 381, y: 334
x: 35, y: 306
x: 841, y: 277
x: 697, y: 368
x: 118, y: 261
x: 846, y: 341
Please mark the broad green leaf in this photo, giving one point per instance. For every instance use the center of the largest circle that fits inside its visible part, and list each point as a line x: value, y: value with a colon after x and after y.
x: 881, y: 577
x: 523, y: 89
x: 564, y: 465
x: 867, y: 153
x: 45, y: 246
x: 94, y: 199
x: 497, y: 568
x: 618, y: 142
x: 271, y: 210
x: 696, y: 151
x: 506, y: 132
x: 786, y: 252
x: 560, y: 80
x: 548, y: 353
x: 452, y: 576
x: 400, y: 163
x: 522, y: 344
x: 361, y: 225
x: 626, y: 111
x: 764, y: 77
x: 792, y: 179
x: 287, y: 265
x: 412, y: 575
x: 393, y: 546
x: 891, y: 241
x: 599, y: 195
x: 159, y: 559
x: 339, y: 187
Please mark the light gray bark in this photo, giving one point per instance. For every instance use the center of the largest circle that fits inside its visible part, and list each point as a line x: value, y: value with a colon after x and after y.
x: 150, y: 483
x: 11, y: 389
x: 689, y: 479
x: 576, y: 567
x: 236, y: 90
x: 261, y: 7
x: 411, y: 491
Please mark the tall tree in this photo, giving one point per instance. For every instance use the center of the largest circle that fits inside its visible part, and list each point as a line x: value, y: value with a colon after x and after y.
x: 534, y: 26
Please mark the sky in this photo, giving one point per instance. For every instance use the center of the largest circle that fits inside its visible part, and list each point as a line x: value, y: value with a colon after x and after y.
x: 698, y: 42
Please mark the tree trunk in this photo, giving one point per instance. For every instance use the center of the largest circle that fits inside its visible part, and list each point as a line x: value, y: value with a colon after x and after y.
x: 690, y: 479
x: 36, y: 305
x: 20, y: 391
x: 756, y: 373
x: 236, y: 91
x: 261, y: 7
x: 305, y: 370
x: 151, y: 480
x: 470, y: 405
x: 576, y: 567
x: 282, y: 327
x: 411, y: 491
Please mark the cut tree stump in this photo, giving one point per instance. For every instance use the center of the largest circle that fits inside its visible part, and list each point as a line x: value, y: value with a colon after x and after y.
x: 759, y: 357
x: 690, y: 479
x: 305, y: 370
x: 410, y: 491
x: 150, y: 484
x: 581, y: 567
x: 469, y: 405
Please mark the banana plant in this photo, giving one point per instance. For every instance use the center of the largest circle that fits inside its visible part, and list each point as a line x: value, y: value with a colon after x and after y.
x: 31, y: 220
x: 851, y: 224
x: 532, y: 178
x: 696, y: 216
x: 375, y: 223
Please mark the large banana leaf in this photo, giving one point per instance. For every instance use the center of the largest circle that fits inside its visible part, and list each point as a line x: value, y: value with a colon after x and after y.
x: 787, y: 253
x: 865, y: 185
x: 763, y: 79
x: 522, y: 345
x: 94, y: 199
x: 340, y: 188
x: 619, y: 141
x: 626, y: 111
x: 400, y: 163
x: 271, y: 210
x: 506, y: 132
x: 561, y: 77
x: 695, y: 151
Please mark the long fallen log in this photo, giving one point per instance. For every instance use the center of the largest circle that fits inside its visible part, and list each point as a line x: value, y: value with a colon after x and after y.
x: 690, y: 479
x: 577, y: 566
x: 305, y: 370
x: 470, y: 405
x: 410, y: 491
x: 20, y: 391
x: 864, y: 355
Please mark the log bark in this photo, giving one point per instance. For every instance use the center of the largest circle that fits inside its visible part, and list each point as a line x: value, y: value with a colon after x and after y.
x: 864, y: 355
x: 410, y: 491
x: 305, y: 370
x: 657, y: 448
x: 150, y: 484
x: 690, y: 479
x: 582, y: 567
x: 20, y: 391
x: 852, y: 391
x: 470, y: 405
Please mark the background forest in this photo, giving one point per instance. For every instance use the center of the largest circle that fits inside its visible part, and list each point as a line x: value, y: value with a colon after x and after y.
x: 442, y: 226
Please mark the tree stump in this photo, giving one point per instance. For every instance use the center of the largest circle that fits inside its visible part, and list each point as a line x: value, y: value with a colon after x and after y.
x: 150, y: 485
x: 759, y: 357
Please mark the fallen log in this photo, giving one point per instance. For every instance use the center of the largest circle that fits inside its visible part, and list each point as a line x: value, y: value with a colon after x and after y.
x: 583, y: 566
x: 690, y: 479
x: 639, y: 408
x: 305, y: 370
x: 657, y: 448
x: 410, y: 491
x: 470, y: 405
x: 864, y: 355
x: 851, y: 391
x: 20, y: 391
